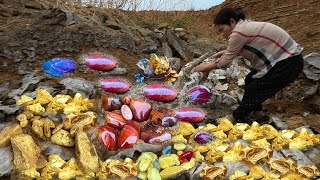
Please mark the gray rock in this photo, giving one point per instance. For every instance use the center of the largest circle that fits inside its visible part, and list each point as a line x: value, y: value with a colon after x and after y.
x: 6, y: 161
x: 63, y: 152
x: 9, y: 109
x: 281, y: 124
x: 174, y: 41
x: 71, y: 18
x: 86, y: 88
x: 112, y: 24
x: 33, y: 5
x: 26, y: 82
x: 312, y: 66
x: 297, y: 155
x: 138, y: 147
x: 175, y: 63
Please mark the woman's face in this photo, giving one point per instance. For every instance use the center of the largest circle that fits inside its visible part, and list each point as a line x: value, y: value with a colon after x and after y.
x: 224, y: 29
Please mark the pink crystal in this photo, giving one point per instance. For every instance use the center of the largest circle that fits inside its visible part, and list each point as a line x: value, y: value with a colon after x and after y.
x: 199, y: 94
x: 192, y: 115
x: 114, y: 85
x: 160, y: 92
x: 202, y: 137
x: 100, y: 62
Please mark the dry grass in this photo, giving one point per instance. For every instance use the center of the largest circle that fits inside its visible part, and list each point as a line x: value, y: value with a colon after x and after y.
x: 195, y: 22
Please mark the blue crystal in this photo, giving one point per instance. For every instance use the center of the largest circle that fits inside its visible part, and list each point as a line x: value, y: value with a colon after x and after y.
x: 167, y: 150
x: 59, y: 66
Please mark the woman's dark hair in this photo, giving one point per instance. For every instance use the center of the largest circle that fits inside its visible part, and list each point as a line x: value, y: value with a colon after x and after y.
x: 225, y: 14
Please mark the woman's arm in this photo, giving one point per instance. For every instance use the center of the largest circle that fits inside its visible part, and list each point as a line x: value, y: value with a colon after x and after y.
x: 211, y: 65
x: 219, y: 54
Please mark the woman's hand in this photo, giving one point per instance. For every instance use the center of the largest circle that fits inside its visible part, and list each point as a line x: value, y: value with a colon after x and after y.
x: 200, y: 68
x: 205, y: 67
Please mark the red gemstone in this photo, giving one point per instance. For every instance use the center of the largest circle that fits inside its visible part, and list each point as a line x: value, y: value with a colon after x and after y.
x: 160, y: 92
x: 126, y: 112
x: 199, y: 94
x: 162, y: 115
x: 129, y: 135
x: 100, y: 62
x: 126, y: 100
x: 192, y: 115
x: 202, y: 137
x: 108, y: 137
x: 114, y: 85
x: 115, y: 120
x: 110, y: 104
x: 141, y: 110
x: 186, y: 156
x: 155, y: 134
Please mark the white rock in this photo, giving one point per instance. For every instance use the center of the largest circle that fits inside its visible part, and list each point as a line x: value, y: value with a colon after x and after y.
x: 240, y: 82
x: 221, y: 87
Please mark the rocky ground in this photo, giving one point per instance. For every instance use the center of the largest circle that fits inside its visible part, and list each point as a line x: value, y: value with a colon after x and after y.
x: 32, y: 32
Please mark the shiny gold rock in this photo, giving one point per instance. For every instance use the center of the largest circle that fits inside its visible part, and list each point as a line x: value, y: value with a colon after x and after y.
x: 238, y: 175
x: 43, y: 96
x: 8, y: 132
x: 171, y: 172
x: 80, y: 121
x: 282, y: 165
x: 184, y: 128
x: 145, y: 160
x: 213, y: 172
x: 86, y: 153
x: 252, y: 154
x: 25, y: 151
x: 225, y: 124
x: 63, y: 138
x: 168, y: 160
x: 310, y: 171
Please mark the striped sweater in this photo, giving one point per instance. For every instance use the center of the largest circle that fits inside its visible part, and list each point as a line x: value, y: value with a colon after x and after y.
x: 262, y: 43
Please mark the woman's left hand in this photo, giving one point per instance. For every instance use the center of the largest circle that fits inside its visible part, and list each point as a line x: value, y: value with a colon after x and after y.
x: 205, y: 67
x: 200, y: 68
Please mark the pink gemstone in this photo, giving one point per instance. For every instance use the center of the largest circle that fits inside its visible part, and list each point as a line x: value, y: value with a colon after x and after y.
x: 126, y: 112
x: 202, y: 137
x: 100, y: 62
x: 114, y: 85
x: 129, y: 135
x: 141, y: 110
x: 108, y: 137
x: 186, y: 156
x: 199, y: 94
x: 192, y: 115
x: 160, y: 92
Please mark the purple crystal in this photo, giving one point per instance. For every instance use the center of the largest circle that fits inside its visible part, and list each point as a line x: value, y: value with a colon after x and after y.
x: 202, y: 137
x: 199, y: 94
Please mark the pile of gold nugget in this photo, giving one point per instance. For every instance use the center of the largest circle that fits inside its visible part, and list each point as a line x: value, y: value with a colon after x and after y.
x: 253, y: 146
x: 214, y: 146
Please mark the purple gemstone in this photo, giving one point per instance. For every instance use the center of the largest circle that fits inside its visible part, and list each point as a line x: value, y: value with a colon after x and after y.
x: 202, y: 137
x: 199, y: 94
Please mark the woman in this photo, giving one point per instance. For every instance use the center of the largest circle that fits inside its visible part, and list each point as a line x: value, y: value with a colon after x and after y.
x: 275, y: 58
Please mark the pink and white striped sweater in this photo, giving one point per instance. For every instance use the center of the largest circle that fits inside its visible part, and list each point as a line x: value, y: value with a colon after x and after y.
x: 262, y: 43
